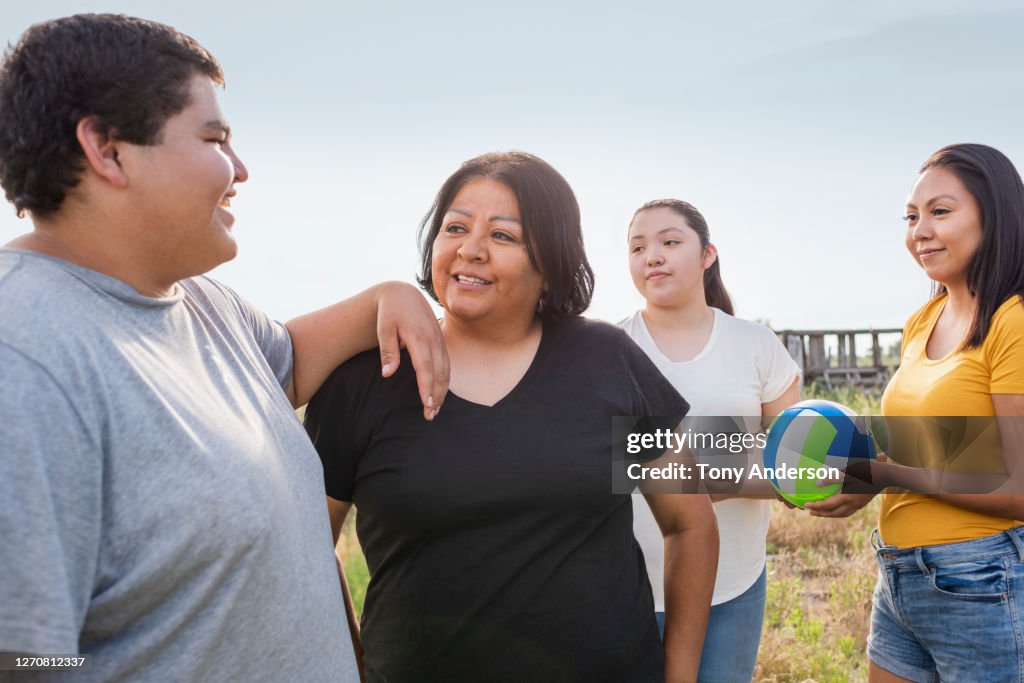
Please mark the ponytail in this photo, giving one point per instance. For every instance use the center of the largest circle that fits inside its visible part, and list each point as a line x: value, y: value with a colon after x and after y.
x: 714, y: 289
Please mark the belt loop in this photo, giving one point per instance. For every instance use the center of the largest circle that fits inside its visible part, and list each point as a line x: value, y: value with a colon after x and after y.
x: 919, y: 556
x: 1015, y: 537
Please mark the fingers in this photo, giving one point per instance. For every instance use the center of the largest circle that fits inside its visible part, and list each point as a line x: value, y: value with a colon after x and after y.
x: 827, y: 508
x: 839, y: 505
x: 441, y: 372
x: 429, y: 362
x: 390, y: 348
x: 424, y: 366
x: 425, y: 345
x: 405, y: 318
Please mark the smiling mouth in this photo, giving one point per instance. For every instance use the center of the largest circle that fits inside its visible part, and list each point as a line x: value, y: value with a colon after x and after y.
x: 928, y: 252
x: 468, y: 280
x: 657, y: 275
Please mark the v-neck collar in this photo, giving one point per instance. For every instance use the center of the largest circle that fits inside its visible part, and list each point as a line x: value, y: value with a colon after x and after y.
x: 547, y: 335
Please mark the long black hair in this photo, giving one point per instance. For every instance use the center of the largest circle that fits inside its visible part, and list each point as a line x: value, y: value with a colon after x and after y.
x: 714, y: 289
x: 996, y: 271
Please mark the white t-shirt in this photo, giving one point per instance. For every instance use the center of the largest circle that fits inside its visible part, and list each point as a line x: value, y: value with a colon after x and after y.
x: 742, y: 366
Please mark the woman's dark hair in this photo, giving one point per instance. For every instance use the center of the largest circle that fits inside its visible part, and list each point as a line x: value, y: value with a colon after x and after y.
x: 996, y: 271
x: 551, y: 227
x: 714, y: 289
x: 130, y: 74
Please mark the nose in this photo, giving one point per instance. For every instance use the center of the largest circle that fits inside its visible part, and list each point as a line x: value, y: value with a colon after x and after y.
x: 473, y: 247
x: 922, y: 230
x: 654, y: 258
x: 241, y: 172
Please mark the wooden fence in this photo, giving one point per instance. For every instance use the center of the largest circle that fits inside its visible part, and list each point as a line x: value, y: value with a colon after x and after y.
x: 811, y: 350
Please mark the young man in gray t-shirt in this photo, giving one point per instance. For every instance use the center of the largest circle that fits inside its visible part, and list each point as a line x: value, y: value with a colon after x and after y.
x: 160, y: 506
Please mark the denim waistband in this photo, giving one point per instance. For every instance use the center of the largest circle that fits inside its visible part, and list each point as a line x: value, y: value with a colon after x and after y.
x: 1003, y: 543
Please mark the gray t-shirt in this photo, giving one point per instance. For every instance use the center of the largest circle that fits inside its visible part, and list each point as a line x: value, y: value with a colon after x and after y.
x: 160, y: 505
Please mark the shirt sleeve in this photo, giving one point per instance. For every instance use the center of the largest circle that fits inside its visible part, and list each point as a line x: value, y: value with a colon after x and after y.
x: 1006, y: 357
x: 777, y: 369
x: 655, y: 395
x: 334, y: 419
x: 50, y: 520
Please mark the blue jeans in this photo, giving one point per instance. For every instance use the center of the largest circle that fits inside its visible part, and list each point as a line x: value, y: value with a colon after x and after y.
x: 952, y: 611
x: 733, y: 636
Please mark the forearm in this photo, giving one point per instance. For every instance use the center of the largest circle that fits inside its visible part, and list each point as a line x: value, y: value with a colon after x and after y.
x: 353, y: 618
x: 995, y: 504
x: 324, y: 339
x: 998, y: 494
x: 691, y: 560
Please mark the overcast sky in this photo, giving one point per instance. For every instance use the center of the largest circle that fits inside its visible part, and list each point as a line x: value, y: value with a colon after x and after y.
x: 796, y: 128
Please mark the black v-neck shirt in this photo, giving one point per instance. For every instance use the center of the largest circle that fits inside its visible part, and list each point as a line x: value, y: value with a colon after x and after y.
x: 496, y: 548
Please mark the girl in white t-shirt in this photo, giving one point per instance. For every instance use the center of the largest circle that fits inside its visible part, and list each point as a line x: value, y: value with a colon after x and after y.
x: 723, y: 366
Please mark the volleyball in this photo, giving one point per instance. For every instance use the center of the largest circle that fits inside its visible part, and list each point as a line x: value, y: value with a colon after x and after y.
x: 814, y: 440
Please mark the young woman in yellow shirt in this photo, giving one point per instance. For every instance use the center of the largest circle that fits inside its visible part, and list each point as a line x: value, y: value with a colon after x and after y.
x: 948, y: 603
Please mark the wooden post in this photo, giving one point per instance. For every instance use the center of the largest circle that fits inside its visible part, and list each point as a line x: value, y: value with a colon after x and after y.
x: 816, y: 352
x: 876, y: 350
x: 795, y: 346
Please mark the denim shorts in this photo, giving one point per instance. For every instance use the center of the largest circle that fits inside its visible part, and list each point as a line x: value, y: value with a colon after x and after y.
x: 950, y: 611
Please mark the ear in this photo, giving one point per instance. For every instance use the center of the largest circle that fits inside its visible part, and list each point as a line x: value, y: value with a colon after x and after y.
x: 101, y: 152
x: 710, y: 256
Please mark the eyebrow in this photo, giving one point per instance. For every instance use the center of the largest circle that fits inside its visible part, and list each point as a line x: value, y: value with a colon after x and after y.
x: 660, y: 232
x: 218, y: 125
x: 934, y: 199
x: 463, y: 212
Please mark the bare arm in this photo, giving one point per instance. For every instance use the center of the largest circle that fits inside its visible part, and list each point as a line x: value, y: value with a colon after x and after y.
x: 687, y: 522
x: 338, y: 511
x: 1006, y: 501
x: 389, y: 315
x: 1010, y: 503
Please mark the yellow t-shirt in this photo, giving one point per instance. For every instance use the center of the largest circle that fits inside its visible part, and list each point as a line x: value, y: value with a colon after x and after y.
x: 961, y: 383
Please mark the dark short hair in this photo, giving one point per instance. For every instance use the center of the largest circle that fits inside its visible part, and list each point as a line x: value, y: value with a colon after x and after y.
x: 715, y: 293
x: 996, y: 271
x: 550, y: 217
x: 130, y: 74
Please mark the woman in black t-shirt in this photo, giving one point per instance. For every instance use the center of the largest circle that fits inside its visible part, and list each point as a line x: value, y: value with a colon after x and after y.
x: 496, y: 548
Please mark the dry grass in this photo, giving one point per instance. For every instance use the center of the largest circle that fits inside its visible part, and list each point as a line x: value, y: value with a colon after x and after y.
x: 820, y: 576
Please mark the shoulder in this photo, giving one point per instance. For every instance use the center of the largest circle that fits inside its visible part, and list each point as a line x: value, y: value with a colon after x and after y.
x: 364, y: 369
x: 210, y: 293
x: 918, y: 320
x: 46, y: 312
x: 1006, y: 332
x: 632, y: 323
x: 358, y: 380
x: 355, y: 396
x: 1010, y: 313
x: 747, y: 336
x: 597, y: 331
x: 29, y: 282
x: 741, y: 328
x: 236, y: 315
